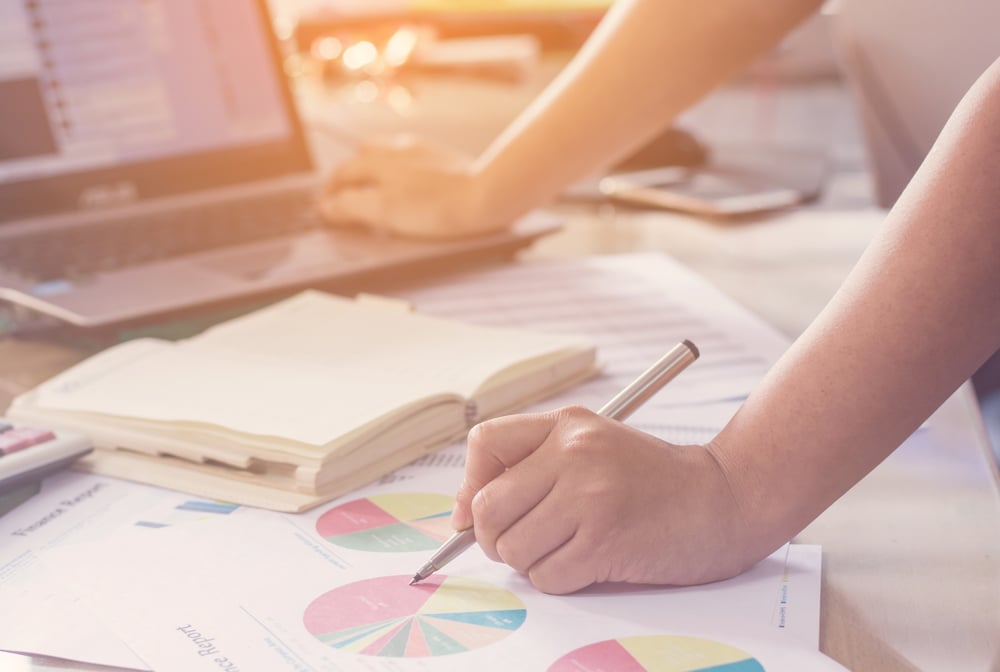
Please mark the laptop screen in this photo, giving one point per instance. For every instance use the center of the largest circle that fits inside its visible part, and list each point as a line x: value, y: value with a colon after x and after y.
x: 107, y: 101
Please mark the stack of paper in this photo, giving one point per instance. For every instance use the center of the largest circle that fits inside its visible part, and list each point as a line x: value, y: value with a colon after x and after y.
x: 301, y: 401
x: 214, y: 587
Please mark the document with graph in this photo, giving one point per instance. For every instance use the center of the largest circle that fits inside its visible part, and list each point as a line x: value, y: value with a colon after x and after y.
x: 272, y: 586
x: 633, y: 307
x: 330, y: 590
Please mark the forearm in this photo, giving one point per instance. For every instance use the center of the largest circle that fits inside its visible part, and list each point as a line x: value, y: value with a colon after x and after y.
x: 919, y: 313
x: 647, y: 61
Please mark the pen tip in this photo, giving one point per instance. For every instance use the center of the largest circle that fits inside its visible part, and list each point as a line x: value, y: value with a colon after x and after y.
x: 415, y: 579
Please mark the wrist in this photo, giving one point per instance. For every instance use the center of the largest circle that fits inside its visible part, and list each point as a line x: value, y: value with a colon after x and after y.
x: 756, y: 532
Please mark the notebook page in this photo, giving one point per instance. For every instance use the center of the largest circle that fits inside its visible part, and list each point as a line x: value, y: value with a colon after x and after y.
x: 310, y: 369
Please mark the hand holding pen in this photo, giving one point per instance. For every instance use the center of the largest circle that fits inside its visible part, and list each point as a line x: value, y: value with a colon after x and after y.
x: 570, y: 498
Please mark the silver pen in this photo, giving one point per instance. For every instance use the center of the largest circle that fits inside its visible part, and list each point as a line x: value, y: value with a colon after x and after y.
x: 619, y: 408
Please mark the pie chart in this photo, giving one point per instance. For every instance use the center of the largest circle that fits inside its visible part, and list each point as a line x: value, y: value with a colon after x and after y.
x: 657, y: 653
x: 390, y: 523
x: 387, y: 617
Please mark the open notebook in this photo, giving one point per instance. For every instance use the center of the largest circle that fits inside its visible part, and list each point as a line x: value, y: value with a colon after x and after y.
x: 301, y: 401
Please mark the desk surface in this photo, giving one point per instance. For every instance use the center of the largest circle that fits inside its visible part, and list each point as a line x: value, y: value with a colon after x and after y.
x: 911, y: 575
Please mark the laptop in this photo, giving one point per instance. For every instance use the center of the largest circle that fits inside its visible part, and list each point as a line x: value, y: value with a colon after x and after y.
x: 152, y: 161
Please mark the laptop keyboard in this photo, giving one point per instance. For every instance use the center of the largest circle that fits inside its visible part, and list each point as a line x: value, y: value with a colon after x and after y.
x: 76, y: 254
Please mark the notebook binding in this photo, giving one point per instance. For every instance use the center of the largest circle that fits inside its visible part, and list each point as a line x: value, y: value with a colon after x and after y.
x: 471, y: 413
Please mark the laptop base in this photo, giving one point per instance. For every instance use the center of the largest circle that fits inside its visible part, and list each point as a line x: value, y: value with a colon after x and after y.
x: 343, y: 261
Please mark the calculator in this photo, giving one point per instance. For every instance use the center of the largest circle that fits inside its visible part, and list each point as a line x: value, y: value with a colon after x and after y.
x: 29, y: 453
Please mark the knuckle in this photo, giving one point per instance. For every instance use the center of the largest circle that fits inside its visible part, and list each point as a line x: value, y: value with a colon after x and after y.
x: 579, y: 429
x: 466, y: 491
x: 478, y: 435
x: 549, y: 581
x: 573, y: 413
x: 509, y: 553
x: 465, y: 494
x: 584, y: 439
x: 483, y: 510
x: 483, y: 435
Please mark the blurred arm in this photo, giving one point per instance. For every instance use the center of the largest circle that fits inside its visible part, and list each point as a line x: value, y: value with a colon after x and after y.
x: 646, y: 62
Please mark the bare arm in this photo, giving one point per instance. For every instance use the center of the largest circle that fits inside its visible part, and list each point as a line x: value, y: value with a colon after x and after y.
x: 647, y: 61
x: 916, y: 317
x: 571, y: 498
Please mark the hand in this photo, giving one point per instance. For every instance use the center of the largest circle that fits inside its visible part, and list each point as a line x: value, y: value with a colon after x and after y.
x: 571, y: 498
x: 409, y: 188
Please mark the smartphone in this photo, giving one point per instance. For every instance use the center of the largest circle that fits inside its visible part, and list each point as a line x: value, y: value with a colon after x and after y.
x: 742, y: 184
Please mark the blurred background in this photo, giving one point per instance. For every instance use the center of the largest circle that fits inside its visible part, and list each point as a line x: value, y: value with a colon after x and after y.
x: 365, y: 69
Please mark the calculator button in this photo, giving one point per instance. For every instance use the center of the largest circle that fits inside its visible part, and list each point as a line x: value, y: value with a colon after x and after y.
x: 20, y: 438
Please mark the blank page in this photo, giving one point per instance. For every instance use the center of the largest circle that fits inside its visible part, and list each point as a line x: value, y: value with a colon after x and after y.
x: 311, y: 369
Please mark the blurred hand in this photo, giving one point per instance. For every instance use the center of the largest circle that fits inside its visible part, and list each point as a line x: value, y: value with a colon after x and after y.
x: 572, y: 498
x: 410, y: 188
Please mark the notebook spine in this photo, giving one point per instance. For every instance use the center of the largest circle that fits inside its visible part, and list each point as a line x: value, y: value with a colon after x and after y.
x: 471, y: 413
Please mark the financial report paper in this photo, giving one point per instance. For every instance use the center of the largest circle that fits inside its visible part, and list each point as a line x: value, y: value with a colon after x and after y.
x: 633, y: 307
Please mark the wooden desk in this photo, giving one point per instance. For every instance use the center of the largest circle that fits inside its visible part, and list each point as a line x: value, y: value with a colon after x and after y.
x: 911, y: 577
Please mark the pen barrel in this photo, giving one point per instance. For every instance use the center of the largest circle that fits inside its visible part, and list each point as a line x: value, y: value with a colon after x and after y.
x: 649, y: 383
x: 451, y: 549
